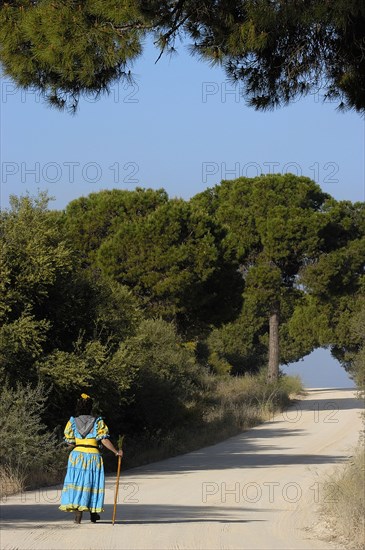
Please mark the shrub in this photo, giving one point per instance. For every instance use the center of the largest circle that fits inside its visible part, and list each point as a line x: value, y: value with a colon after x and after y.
x: 221, y: 407
x: 27, y: 448
x: 343, y: 503
x: 164, y: 375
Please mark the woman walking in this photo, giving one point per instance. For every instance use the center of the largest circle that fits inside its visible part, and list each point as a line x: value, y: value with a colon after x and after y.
x: 84, y: 485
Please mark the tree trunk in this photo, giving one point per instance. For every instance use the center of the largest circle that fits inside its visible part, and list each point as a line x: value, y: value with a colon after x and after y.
x: 274, y: 352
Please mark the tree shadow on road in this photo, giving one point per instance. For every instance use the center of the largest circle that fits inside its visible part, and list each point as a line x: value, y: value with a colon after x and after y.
x: 49, y: 517
x: 262, y: 446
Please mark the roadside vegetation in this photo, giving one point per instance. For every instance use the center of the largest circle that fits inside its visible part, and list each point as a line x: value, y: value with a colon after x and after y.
x: 343, y: 505
x: 222, y: 408
x: 32, y: 457
x: 173, y: 315
x: 343, y: 502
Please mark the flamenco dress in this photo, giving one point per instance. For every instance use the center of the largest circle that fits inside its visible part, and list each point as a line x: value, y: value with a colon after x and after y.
x: 84, y: 484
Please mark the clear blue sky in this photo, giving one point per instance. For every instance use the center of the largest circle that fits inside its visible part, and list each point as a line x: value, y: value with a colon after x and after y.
x: 182, y: 127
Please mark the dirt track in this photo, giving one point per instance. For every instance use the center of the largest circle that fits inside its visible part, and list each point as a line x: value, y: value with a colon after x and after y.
x: 258, y: 490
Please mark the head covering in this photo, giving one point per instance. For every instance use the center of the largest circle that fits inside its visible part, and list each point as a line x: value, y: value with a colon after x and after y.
x: 84, y: 424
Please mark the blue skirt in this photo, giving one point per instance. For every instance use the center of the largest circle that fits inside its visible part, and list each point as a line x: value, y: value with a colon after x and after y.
x: 84, y: 485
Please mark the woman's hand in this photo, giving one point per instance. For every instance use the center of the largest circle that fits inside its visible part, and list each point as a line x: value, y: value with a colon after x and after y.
x: 109, y: 445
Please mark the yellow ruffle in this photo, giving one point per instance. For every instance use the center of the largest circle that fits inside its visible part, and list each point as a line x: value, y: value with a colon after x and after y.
x: 74, y: 508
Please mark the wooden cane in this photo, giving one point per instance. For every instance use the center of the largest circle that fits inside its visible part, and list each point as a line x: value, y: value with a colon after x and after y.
x: 117, y: 489
x: 120, y: 445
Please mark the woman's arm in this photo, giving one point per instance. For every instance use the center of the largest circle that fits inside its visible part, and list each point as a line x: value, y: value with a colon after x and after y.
x: 109, y: 445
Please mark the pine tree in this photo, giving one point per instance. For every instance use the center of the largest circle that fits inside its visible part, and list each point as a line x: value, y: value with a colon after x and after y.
x: 273, y: 227
x: 277, y: 50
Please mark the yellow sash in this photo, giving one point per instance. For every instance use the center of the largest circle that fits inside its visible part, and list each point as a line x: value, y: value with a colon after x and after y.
x: 86, y: 445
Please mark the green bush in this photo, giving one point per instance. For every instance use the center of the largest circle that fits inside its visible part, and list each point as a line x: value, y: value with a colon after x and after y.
x: 236, y: 348
x: 164, y: 376
x: 27, y: 448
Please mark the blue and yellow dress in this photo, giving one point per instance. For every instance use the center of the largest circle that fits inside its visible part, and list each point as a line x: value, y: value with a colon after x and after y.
x: 84, y: 484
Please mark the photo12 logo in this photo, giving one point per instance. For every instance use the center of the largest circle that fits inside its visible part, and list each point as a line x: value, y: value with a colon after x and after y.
x: 69, y: 172
x: 269, y: 491
x: 121, y: 92
x: 234, y: 92
x: 323, y: 173
x: 128, y: 492
x: 221, y: 91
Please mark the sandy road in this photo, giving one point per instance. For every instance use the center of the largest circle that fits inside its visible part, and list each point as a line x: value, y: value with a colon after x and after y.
x: 258, y: 490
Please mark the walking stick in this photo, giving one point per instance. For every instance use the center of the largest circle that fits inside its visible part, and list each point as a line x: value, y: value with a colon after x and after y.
x: 120, y: 443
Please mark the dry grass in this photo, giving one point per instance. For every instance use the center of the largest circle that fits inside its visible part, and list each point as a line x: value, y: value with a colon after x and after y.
x: 11, y: 481
x: 52, y: 476
x: 225, y: 407
x: 14, y: 481
x: 343, y: 505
